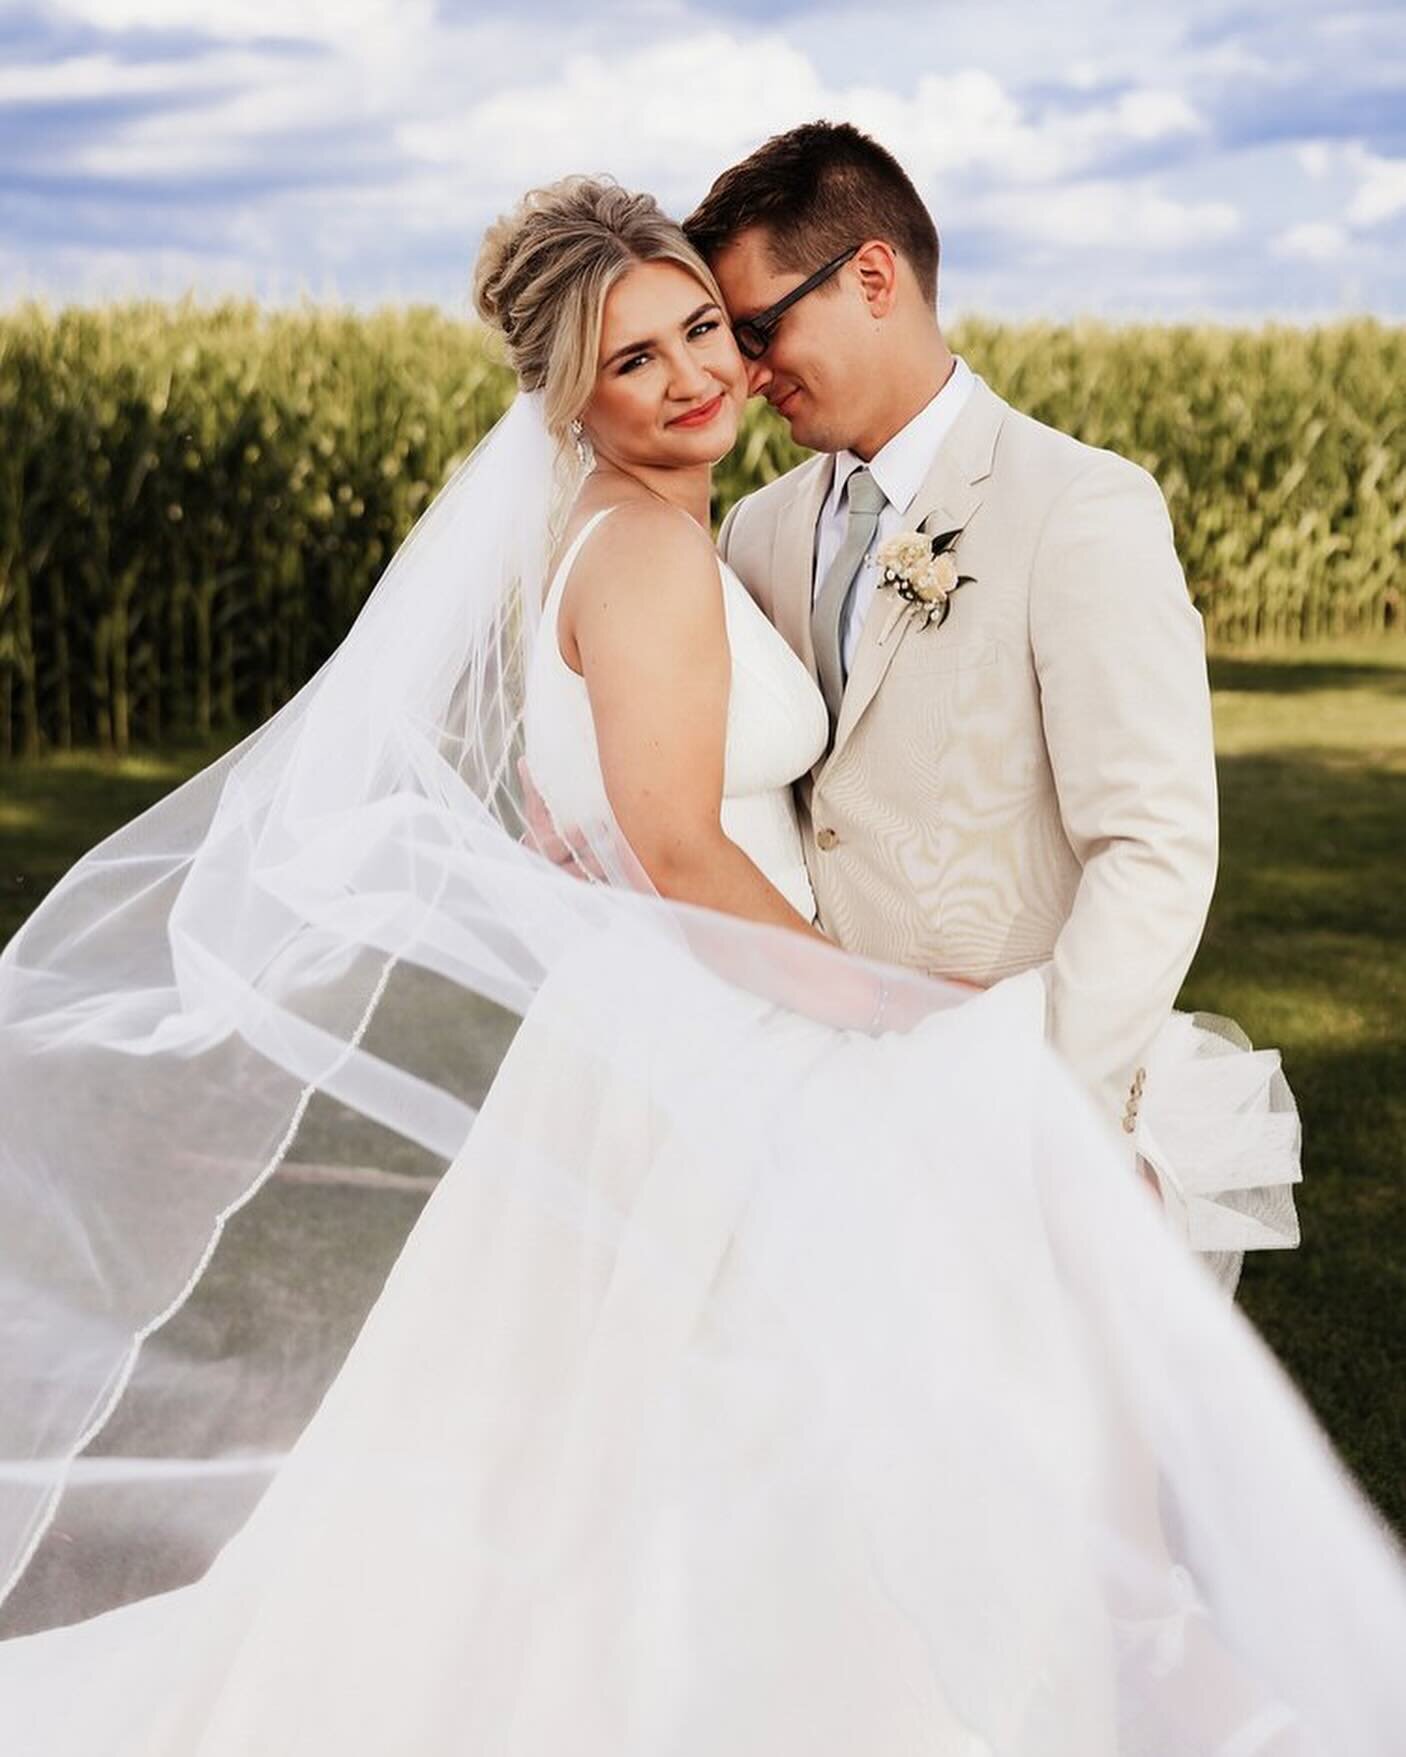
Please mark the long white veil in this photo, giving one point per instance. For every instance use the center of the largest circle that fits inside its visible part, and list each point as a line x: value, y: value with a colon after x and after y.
x: 292, y: 980
x: 204, y: 986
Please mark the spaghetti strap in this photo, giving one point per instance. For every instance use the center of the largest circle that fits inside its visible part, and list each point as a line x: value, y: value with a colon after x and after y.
x: 573, y: 549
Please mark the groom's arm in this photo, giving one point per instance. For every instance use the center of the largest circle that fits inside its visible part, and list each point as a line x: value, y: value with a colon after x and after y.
x: 725, y: 530
x: 744, y: 543
x: 1120, y: 654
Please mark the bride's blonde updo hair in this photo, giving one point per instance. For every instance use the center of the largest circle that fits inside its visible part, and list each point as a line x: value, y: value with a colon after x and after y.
x: 544, y: 270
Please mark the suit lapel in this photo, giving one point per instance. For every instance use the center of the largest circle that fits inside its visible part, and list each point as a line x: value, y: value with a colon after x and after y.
x: 793, y: 559
x: 949, y: 496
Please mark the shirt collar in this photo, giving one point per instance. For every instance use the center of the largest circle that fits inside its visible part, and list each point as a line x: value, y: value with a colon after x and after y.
x: 901, y: 465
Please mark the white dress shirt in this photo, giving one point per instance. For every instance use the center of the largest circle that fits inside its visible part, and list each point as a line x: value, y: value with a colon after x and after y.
x: 899, y: 467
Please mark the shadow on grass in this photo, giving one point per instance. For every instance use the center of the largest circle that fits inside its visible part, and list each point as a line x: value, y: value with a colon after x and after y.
x: 1334, y: 1311
x: 1289, y: 676
x: 1306, y: 947
x: 1311, y: 840
x: 54, y: 810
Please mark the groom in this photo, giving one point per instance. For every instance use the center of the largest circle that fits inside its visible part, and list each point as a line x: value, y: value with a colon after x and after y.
x: 1030, y: 778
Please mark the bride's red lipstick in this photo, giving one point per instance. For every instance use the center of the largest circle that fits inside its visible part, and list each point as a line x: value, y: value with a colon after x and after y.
x: 699, y: 417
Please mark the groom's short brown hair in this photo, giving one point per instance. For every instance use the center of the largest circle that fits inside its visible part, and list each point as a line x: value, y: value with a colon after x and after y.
x: 814, y: 191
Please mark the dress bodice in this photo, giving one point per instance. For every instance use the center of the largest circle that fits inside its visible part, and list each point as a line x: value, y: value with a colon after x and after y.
x: 777, y: 728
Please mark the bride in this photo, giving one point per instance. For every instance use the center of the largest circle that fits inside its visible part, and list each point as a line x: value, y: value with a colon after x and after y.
x: 783, y: 1364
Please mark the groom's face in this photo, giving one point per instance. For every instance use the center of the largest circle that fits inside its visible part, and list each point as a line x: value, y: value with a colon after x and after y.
x: 817, y: 371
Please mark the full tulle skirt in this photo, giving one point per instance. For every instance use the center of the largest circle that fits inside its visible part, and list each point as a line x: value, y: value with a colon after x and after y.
x: 751, y: 1386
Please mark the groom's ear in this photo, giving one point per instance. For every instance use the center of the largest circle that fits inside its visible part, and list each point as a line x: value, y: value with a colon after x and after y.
x: 876, y: 264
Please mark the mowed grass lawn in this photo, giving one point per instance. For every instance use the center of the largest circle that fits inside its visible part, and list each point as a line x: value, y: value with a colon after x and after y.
x: 1306, y: 947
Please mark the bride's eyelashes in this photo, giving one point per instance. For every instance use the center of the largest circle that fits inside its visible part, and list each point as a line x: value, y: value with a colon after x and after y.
x: 698, y: 329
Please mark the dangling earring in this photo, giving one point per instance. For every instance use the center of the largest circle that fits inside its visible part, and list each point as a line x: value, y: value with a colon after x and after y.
x: 583, y: 449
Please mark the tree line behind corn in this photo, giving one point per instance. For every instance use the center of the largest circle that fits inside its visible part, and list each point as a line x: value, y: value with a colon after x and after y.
x: 195, y: 501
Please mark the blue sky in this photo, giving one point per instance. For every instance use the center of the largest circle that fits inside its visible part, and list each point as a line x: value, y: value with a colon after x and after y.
x: 1108, y: 157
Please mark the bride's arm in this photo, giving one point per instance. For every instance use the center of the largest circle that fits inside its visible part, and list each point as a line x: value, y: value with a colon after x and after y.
x: 643, y: 617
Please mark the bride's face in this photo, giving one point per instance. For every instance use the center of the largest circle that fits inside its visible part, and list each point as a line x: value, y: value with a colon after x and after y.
x: 670, y: 384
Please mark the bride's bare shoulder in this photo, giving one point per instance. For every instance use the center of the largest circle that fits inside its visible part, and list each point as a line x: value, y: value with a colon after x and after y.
x: 643, y: 539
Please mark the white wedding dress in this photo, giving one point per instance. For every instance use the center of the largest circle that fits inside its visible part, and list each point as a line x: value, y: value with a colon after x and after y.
x: 777, y: 727
x: 704, y: 1451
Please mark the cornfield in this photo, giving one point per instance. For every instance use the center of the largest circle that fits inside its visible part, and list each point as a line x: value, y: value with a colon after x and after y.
x: 194, y: 502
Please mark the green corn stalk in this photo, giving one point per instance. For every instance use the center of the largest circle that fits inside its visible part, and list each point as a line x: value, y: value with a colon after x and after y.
x: 195, y: 502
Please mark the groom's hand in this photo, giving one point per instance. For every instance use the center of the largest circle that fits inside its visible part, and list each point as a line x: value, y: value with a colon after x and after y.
x: 572, y: 850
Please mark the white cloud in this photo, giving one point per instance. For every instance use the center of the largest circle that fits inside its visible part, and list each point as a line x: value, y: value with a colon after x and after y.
x: 672, y: 113
x: 378, y: 155
x: 90, y: 76
x: 1313, y: 241
x: 673, y: 105
x: 243, y: 97
x: 1375, y: 187
x: 232, y: 133
x: 1381, y: 192
x: 1316, y: 157
x: 1153, y: 115
x: 329, y: 20
x: 1112, y: 216
x: 1084, y: 75
x: 94, y: 275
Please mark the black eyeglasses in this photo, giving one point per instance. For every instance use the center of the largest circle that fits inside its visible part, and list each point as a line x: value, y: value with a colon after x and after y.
x: 754, y: 333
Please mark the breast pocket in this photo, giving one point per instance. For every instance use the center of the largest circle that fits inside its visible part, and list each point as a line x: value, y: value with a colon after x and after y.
x: 939, y: 693
x: 972, y: 654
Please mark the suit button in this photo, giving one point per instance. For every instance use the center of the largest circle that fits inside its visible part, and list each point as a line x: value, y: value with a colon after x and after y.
x: 826, y: 839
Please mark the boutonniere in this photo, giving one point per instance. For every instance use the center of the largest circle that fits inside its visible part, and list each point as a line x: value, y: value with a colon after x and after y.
x: 922, y: 570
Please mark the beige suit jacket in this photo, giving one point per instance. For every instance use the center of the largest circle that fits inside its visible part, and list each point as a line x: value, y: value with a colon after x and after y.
x: 1033, y: 781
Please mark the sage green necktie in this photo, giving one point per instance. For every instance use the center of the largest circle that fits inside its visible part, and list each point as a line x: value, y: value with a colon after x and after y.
x: 827, y: 619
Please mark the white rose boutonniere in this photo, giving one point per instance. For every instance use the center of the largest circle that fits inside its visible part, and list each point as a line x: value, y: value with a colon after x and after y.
x: 923, y: 571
